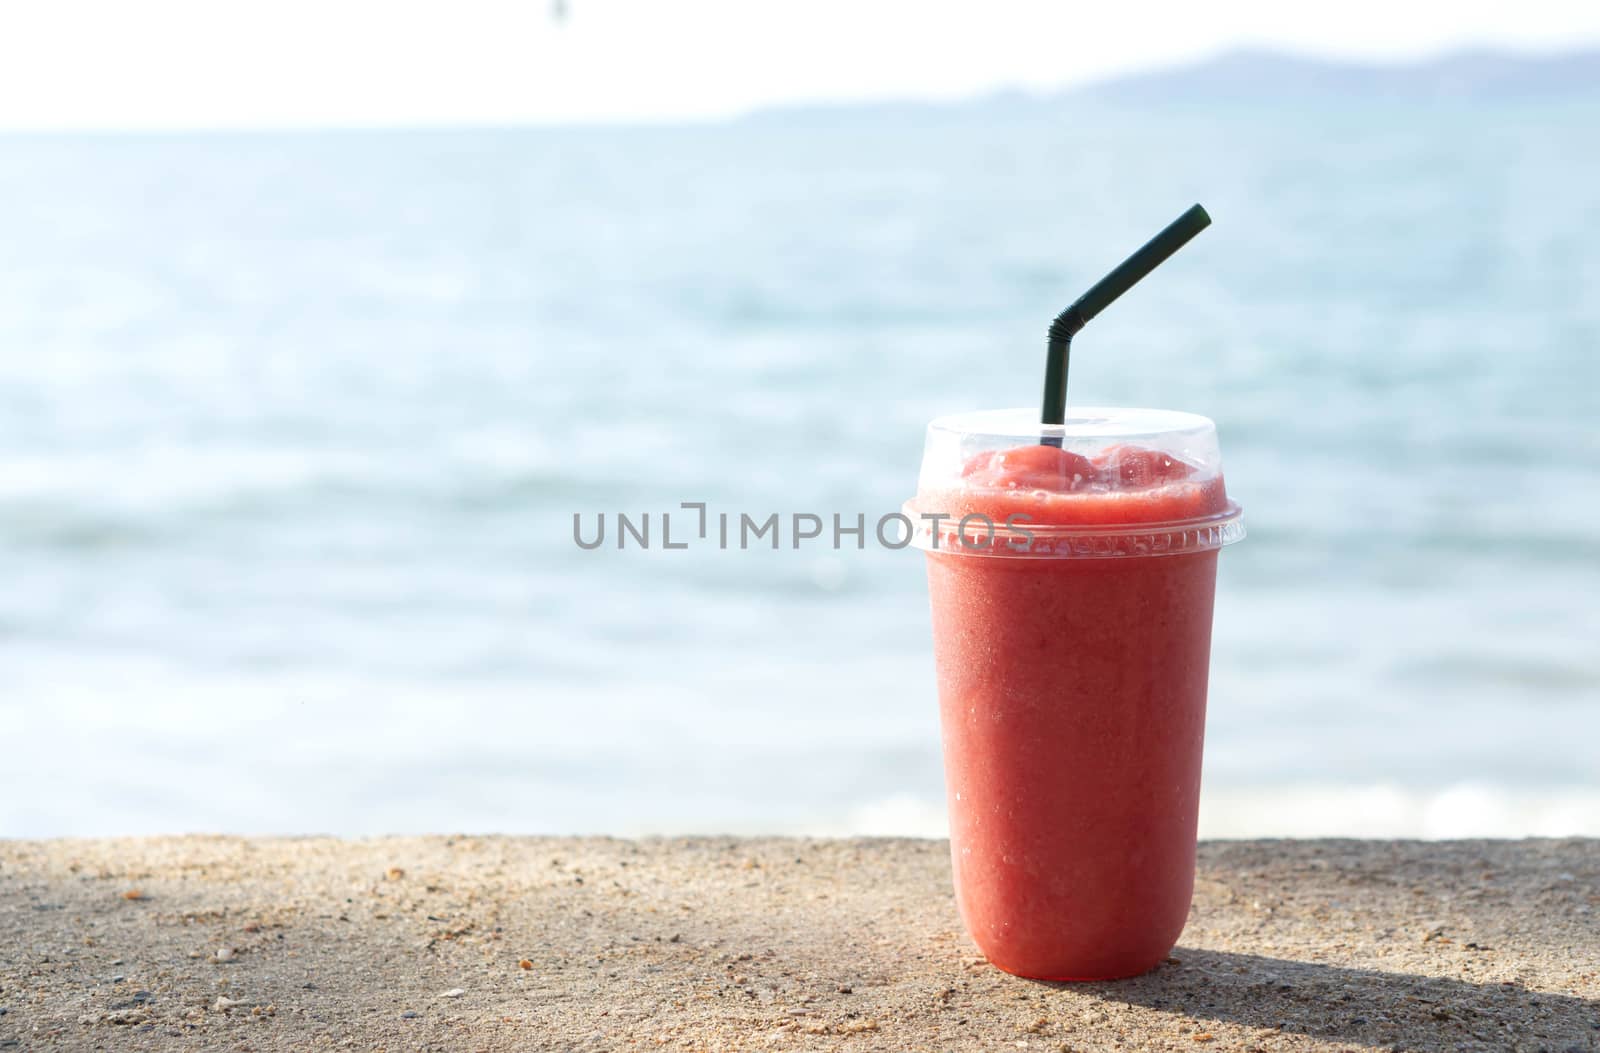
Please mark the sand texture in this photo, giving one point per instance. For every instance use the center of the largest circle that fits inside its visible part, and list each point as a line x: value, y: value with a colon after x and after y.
x: 487, y: 943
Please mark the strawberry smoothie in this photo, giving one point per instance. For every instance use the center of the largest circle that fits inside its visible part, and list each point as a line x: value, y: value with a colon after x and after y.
x: 1072, y: 653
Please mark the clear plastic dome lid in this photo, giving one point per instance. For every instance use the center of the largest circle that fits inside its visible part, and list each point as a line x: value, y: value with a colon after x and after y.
x: 1108, y: 482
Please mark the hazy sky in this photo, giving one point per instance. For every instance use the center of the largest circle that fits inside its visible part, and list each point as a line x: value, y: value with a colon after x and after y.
x: 233, y: 63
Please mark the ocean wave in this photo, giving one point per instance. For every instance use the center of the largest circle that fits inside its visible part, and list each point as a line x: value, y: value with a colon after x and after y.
x: 1377, y: 810
x: 78, y: 503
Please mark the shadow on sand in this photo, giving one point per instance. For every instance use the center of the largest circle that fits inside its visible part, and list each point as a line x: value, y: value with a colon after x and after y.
x: 1360, y: 1006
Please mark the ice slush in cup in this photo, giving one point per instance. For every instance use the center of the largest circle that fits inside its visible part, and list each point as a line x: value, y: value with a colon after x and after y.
x: 1071, y: 569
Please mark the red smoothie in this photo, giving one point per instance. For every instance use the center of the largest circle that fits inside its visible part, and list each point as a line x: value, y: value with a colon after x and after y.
x: 1072, y: 672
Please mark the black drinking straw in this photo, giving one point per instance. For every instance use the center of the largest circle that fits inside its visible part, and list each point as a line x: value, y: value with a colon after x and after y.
x: 1068, y: 322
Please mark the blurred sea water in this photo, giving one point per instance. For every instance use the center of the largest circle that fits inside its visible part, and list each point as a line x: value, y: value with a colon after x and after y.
x: 293, y: 428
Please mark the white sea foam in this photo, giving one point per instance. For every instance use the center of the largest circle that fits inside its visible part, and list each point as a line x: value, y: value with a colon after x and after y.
x: 1466, y: 809
x: 1463, y: 810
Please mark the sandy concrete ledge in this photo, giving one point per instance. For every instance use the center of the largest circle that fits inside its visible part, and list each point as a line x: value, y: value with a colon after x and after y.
x: 480, y: 943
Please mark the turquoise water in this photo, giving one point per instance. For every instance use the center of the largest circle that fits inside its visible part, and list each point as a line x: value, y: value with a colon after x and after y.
x: 293, y: 428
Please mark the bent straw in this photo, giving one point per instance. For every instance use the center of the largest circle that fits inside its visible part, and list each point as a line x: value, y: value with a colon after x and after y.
x: 1127, y: 273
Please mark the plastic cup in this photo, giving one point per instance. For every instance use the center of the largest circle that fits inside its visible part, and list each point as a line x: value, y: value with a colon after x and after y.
x: 1072, y: 592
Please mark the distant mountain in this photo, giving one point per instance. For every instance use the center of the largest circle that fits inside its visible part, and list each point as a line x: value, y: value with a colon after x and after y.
x: 1254, y: 75
x: 1247, y: 74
